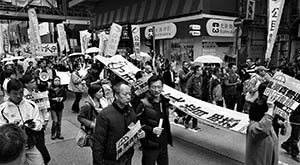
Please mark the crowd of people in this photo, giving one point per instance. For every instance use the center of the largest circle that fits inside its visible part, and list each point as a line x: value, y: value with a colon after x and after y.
x: 111, y: 108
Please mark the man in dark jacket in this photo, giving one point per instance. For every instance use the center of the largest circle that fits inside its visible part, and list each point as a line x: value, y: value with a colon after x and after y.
x: 154, y: 116
x: 111, y: 125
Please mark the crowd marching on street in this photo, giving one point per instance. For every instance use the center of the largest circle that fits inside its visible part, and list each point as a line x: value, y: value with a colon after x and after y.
x: 112, y: 108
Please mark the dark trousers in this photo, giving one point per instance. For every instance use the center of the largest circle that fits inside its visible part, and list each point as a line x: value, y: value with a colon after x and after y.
x: 230, y: 101
x: 40, y: 145
x: 293, y: 140
x: 194, y: 121
x: 240, y: 103
x: 75, y: 106
x: 160, y: 156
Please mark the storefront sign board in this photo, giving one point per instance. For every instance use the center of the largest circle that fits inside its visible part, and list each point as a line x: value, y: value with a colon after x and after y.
x: 163, y: 31
x: 220, y: 28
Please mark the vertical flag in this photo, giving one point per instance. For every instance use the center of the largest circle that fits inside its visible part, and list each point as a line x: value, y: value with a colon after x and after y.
x: 85, y: 37
x: 113, y: 40
x: 34, y: 32
x: 4, y: 39
x: 274, y: 16
x: 136, y: 39
x: 62, y: 38
x: 103, y: 38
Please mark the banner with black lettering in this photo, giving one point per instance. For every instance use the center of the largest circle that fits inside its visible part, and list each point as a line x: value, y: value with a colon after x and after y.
x: 40, y: 98
x: 128, y: 140
x: 218, y: 116
x: 286, y: 91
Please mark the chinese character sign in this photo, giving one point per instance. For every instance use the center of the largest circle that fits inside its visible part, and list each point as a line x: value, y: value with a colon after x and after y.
x: 274, y: 17
x: 40, y: 98
x: 33, y: 30
x: 46, y: 49
x: 4, y: 40
x: 113, y: 40
x: 85, y: 37
x: 136, y: 39
x: 62, y: 37
x: 286, y: 91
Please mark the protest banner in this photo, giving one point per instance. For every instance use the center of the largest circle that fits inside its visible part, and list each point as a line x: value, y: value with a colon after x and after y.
x: 141, y: 85
x: 64, y: 77
x: 207, y: 112
x: 113, y: 40
x: 47, y: 49
x: 120, y: 66
x: 85, y: 37
x: 128, y: 140
x: 274, y: 17
x: 4, y: 39
x: 285, y: 90
x: 33, y: 31
x: 40, y: 98
x: 135, y: 30
x: 62, y: 38
x: 103, y: 38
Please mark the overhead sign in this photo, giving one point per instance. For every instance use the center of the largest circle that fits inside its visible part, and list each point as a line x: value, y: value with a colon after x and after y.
x: 47, y: 49
x: 113, y: 40
x: 210, y: 113
x: 274, y: 17
x: 220, y: 28
x: 286, y: 91
x: 163, y: 31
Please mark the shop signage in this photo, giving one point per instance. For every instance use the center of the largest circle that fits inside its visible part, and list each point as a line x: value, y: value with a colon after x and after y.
x: 220, y: 28
x: 163, y: 31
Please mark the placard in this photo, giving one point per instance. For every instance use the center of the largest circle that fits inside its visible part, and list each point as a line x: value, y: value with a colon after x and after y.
x: 47, y: 49
x: 64, y: 77
x: 136, y: 39
x: 213, y: 114
x: 128, y: 140
x: 286, y: 91
x: 113, y: 40
x: 40, y: 98
x: 141, y: 85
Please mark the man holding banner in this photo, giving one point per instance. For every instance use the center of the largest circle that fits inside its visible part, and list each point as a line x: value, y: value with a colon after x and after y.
x: 112, y: 124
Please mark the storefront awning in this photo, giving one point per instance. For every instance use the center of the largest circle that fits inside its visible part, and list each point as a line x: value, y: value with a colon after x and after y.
x: 149, y: 10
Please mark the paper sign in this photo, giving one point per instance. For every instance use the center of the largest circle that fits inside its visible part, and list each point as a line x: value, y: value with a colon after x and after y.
x: 128, y: 140
x: 141, y: 85
x: 64, y: 77
x: 113, y: 40
x: 210, y: 113
x: 62, y: 38
x: 33, y: 31
x: 47, y: 49
x: 40, y: 98
x: 286, y: 91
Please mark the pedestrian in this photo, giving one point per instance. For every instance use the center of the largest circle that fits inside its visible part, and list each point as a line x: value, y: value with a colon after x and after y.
x: 169, y: 76
x: 24, y: 113
x: 194, y: 89
x: 57, y: 96
x: 215, y: 87
x: 184, y: 75
x: 12, y: 145
x: 9, y: 74
x: 231, y: 81
x: 30, y: 89
x: 153, y: 113
x: 77, y: 86
x: 111, y: 125
x: 261, y: 139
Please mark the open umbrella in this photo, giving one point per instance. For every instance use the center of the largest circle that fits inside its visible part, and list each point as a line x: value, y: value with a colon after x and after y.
x: 12, y: 58
x: 75, y: 54
x: 92, y: 50
x: 143, y: 56
x: 208, y: 59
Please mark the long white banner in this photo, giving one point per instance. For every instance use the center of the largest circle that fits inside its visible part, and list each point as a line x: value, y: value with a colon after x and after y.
x: 274, y: 16
x: 218, y: 116
x: 113, y: 40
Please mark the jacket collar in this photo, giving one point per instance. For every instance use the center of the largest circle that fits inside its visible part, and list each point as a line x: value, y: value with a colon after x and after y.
x: 126, y: 109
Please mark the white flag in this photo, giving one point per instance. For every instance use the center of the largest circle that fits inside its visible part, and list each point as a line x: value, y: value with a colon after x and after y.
x: 113, y: 41
x: 274, y: 16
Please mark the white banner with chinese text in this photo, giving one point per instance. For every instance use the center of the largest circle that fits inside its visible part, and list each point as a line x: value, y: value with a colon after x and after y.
x: 113, y: 40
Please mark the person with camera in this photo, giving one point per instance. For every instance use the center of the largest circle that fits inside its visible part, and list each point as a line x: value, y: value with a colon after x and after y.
x: 25, y: 114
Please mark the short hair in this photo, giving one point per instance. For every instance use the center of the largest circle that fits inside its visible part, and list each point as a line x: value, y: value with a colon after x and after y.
x: 155, y: 78
x: 116, y: 87
x: 26, y: 78
x: 14, y: 84
x: 230, y: 65
x: 93, y: 89
x: 195, y: 68
x: 12, y: 142
x: 9, y: 72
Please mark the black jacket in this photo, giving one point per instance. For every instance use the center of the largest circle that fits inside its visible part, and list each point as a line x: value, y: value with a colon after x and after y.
x: 61, y: 92
x: 111, y: 125
x: 150, y: 117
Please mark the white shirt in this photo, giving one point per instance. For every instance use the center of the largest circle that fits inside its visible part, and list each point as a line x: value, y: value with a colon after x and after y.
x: 5, y: 88
x: 26, y: 110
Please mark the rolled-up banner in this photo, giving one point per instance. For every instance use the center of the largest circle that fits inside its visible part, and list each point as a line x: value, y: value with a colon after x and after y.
x: 274, y: 16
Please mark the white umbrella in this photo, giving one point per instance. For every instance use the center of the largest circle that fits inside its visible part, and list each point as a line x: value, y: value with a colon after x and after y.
x: 92, y: 50
x: 208, y: 59
x: 143, y: 56
x: 12, y: 58
x: 75, y: 54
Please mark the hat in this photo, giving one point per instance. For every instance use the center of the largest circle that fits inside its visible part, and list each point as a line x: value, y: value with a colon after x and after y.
x: 258, y: 68
x: 9, y: 63
x: 26, y: 78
